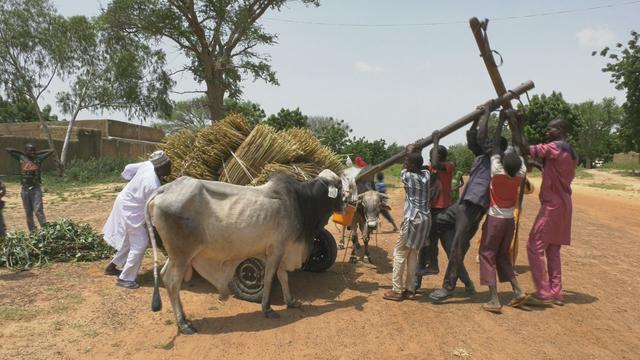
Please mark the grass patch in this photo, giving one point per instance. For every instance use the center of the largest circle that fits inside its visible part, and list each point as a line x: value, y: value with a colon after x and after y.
x: 610, y: 186
x: 624, y: 167
x: 15, y: 313
x: 392, y: 175
x: 582, y: 173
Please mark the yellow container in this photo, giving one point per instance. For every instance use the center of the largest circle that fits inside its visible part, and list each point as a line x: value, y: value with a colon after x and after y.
x: 346, y: 217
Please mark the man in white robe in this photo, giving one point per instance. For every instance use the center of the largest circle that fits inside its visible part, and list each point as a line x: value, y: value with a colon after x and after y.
x: 125, y: 229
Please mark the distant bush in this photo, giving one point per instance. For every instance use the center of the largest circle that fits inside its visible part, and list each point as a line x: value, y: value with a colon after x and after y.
x: 462, y: 156
x: 95, y: 170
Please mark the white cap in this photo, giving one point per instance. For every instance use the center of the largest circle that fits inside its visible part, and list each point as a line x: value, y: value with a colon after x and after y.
x: 159, y: 158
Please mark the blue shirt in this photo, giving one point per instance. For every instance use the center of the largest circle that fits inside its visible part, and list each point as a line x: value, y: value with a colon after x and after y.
x: 477, y: 189
x: 381, y: 187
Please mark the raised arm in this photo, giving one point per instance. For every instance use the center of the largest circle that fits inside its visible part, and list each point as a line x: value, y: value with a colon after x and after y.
x: 496, y: 138
x: 43, y: 154
x: 15, y: 153
x: 435, y: 153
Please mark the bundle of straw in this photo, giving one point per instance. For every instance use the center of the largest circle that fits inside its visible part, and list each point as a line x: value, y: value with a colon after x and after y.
x: 263, y: 146
x: 202, y: 153
x: 313, y: 151
x: 300, y: 171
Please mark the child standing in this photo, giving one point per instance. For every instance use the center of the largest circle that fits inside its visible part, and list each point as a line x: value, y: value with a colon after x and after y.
x: 507, y: 173
x: 381, y: 187
x: 414, y: 229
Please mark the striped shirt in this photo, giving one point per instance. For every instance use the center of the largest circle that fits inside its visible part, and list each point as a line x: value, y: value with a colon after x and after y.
x: 416, y: 190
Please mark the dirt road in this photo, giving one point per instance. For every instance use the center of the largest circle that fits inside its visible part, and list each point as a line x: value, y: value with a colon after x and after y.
x: 73, y: 311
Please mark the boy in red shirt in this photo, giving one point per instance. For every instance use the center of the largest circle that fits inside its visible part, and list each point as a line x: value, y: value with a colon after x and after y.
x: 507, y: 173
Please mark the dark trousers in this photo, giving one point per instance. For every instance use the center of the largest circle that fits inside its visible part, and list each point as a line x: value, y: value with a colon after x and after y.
x: 32, y: 202
x: 443, y: 228
x: 3, y: 227
x: 467, y: 220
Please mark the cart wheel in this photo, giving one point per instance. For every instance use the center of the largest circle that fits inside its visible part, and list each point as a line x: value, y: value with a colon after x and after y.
x: 323, y: 254
x: 247, y: 283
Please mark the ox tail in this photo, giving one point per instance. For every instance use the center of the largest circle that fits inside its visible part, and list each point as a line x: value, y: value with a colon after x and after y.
x: 156, y: 302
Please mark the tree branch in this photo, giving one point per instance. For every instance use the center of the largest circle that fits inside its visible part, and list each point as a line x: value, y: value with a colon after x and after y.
x: 189, y: 92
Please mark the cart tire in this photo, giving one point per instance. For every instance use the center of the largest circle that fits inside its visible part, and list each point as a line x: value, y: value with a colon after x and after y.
x: 248, y: 281
x: 323, y: 254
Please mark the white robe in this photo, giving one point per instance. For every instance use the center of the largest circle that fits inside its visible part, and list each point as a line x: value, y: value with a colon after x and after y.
x: 128, y: 209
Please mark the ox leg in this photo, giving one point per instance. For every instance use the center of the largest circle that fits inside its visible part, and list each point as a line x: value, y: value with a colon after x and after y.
x: 172, y: 278
x: 365, y: 239
x: 356, y: 246
x: 283, y: 277
x: 272, y: 264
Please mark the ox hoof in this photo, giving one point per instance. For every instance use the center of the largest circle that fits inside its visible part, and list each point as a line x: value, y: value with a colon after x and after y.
x: 187, y: 329
x: 295, y: 304
x: 270, y: 314
x: 367, y: 260
x: 353, y: 259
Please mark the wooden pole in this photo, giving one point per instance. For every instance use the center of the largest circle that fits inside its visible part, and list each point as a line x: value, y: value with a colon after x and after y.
x: 368, y: 173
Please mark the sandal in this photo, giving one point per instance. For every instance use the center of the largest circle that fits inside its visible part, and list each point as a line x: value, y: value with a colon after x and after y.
x: 393, y: 296
x: 408, y: 295
x: 519, y: 301
x: 492, y: 308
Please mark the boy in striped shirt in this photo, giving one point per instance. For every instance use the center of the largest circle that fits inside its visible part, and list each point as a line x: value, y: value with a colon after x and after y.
x: 507, y: 173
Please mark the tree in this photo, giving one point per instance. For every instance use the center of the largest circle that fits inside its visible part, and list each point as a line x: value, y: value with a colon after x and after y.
x: 593, y: 136
x: 624, y: 67
x: 252, y: 112
x: 286, y: 119
x: 20, y: 109
x: 373, y: 152
x: 192, y: 114
x: 462, y: 157
x: 33, y: 51
x: 331, y: 132
x: 111, y: 71
x: 220, y: 38
x: 541, y: 110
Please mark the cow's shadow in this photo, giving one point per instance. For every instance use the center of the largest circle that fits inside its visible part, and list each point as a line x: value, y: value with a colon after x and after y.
x: 256, y: 321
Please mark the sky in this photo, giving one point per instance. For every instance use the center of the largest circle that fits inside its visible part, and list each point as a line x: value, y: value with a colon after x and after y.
x: 391, y: 73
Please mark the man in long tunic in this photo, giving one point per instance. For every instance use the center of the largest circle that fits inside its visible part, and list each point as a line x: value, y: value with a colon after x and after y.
x: 125, y: 229
x: 552, y: 227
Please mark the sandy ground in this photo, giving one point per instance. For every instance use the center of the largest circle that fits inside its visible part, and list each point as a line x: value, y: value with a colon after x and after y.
x: 73, y: 311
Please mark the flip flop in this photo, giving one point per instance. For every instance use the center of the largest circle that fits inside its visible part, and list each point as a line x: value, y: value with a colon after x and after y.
x: 533, y: 300
x: 517, y: 302
x: 492, y: 308
x: 393, y: 296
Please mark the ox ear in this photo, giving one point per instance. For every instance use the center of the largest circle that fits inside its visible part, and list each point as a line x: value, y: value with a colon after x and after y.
x: 385, y: 207
x: 384, y: 196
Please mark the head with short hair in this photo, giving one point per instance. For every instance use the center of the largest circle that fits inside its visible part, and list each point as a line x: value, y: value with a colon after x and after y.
x: 413, y: 162
x: 442, y: 153
x: 512, y: 163
x: 380, y: 176
x: 30, y: 150
x: 557, y: 129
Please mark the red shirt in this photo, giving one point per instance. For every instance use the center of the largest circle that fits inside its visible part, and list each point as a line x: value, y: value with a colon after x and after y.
x: 443, y: 199
x: 504, y: 189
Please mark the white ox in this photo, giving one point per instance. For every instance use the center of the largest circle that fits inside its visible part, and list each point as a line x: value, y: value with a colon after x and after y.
x: 214, y: 226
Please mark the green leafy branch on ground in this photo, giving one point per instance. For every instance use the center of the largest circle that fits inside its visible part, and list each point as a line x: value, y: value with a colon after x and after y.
x: 58, y: 241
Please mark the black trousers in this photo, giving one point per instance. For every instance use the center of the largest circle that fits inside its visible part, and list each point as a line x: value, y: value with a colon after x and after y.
x: 467, y: 221
x: 442, y: 228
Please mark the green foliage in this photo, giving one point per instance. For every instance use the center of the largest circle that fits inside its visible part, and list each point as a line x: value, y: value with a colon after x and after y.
x: 541, y: 110
x: 624, y: 67
x: 372, y: 152
x: 59, y: 241
x: 192, y: 114
x: 220, y: 38
x: 287, y: 119
x: 112, y: 71
x: 462, y: 157
x: 94, y: 171
x: 594, y: 137
x: 20, y: 109
x: 331, y: 132
x: 251, y: 111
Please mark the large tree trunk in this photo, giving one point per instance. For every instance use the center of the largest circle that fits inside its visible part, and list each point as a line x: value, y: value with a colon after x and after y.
x: 215, y: 100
